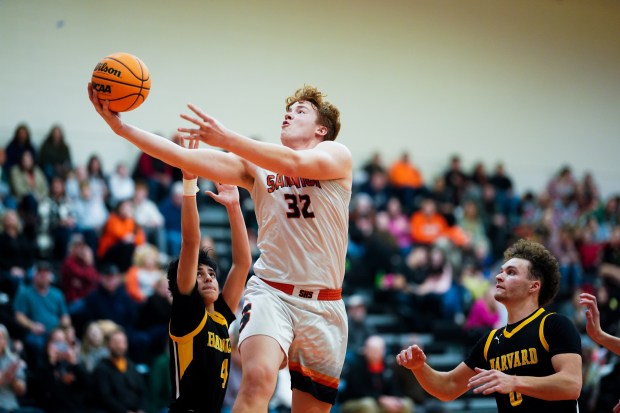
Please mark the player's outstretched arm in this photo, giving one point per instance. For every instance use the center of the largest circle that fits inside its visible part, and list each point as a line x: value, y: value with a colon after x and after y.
x: 328, y: 160
x: 190, y: 234
x: 228, y: 195
x: 443, y: 385
x: 210, y: 164
x: 593, y: 325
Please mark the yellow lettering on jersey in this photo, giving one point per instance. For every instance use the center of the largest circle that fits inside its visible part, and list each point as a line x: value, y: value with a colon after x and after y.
x: 514, y: 359
x: 516, y: 399
x: 218, y: 343
x: 524, y: 360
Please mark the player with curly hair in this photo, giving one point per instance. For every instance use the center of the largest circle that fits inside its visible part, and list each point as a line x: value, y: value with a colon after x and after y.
x: 533, y: 364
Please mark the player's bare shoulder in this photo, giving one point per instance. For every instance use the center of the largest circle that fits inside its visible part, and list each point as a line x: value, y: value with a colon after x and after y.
x: 341, y: 159
x: 336, y: 148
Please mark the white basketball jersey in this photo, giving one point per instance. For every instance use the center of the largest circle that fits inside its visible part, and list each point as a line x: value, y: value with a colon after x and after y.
x: 303, y: 230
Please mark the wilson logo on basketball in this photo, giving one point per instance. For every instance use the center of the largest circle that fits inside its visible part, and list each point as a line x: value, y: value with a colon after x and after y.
x: 100, y: 87
x: 103, y: 67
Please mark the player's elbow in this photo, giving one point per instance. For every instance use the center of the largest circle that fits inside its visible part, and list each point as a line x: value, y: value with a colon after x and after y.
x: 574, y: 389
x: 444, y: 394
x: 449, y: 391
x: 244, y: 263
x: 575, y: 395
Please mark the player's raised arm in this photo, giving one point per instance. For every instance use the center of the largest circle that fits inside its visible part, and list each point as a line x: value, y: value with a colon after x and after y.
x: 208, y: 163
x: 327, y: 160
x: 310, y: 126
x: 190, y: 232
x: 228, y: 195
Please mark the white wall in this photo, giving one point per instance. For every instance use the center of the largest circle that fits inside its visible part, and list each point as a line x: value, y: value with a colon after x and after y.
x: 533, y: 83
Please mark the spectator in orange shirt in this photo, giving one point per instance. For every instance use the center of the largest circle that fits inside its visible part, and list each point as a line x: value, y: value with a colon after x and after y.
x: 427, y: 225
x: 120, y: 236
x: 406, y: 180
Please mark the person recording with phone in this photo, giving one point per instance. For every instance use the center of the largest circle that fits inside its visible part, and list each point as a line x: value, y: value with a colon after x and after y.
x: 61, y: 383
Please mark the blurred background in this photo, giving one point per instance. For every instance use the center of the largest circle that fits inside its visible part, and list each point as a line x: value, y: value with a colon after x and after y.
x: 531, y: 83
x: 501, y: 118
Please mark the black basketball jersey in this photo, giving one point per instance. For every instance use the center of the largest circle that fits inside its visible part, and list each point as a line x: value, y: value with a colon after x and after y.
x: 525, y: 348
x: 199, y: 353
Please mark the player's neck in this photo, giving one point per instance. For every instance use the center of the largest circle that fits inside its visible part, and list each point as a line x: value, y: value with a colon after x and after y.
x: 210, y: 306
x: 518, y: 311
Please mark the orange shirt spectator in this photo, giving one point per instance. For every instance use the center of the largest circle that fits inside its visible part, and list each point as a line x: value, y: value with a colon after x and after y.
x: 118, y: 229
x: 120, y: 236
x: 426, y: 224
x: 403, y: 174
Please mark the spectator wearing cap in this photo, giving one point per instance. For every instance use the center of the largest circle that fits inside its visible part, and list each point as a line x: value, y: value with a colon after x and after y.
x: 110, y: 300
x: 40, y: 307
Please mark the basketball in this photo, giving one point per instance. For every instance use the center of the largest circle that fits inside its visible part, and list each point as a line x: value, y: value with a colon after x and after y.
x: 123, y: 79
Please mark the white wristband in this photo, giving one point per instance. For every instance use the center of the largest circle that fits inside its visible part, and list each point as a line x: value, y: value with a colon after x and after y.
x: 190, y: 187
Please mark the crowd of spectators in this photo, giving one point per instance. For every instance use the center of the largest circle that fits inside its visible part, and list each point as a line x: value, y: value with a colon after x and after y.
x: 427, y: 251
x: 83, y: 295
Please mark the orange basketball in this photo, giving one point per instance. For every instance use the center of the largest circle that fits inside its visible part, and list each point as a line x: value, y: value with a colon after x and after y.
x: 123, y: 79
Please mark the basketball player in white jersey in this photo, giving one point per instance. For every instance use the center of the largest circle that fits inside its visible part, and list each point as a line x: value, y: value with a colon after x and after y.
x: 293, y: 310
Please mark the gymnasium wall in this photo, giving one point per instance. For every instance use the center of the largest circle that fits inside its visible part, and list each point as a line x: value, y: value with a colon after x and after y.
x: 534, y: 83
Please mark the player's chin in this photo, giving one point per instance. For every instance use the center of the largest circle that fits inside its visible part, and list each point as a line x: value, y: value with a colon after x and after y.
x: 209, y: 294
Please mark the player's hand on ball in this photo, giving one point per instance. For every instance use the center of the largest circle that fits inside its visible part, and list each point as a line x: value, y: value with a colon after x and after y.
x: 412, y: 358
x: 112, y: 118
x: 209, y: 130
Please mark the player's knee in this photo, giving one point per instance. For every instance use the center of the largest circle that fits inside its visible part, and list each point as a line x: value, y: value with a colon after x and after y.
x: 259, y: 380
